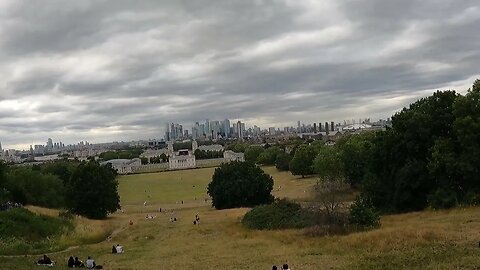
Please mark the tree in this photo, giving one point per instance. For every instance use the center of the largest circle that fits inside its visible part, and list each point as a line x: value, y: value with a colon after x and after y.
x: 355, y: 151
x: 331, y: 189
x: 398, y: 178
x: 269, y: 156
x: 331, y: 193
x: 4, y: 193
x: 240, y: 184
x: 467, y: 130
x: 63, y: 169
x: 164, y: 157
x: 282, y: 162
x: 302, y: 162
x: 252, y: 152
x: 28, y: 186
x: 328, y: 163
x: 92, y: 191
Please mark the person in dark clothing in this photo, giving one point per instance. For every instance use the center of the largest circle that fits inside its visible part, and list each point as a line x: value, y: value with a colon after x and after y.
x: 274, y: 267
x: 285, y: 267
x: 78, y: 263
x: 71, y: 262
x: 114, y: 249
x: 45, y: 260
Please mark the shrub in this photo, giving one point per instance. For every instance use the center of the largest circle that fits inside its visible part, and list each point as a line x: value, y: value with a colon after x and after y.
x: 29, y: 186
x: 363, y: 213
x: 282, y: 214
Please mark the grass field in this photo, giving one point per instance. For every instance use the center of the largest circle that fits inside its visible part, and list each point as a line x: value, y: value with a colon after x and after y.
x: 423, y: 240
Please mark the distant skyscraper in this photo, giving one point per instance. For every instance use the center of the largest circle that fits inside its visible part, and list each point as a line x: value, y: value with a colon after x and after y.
x: 326, y: 127
x: 315, y: 127
x: 240, y: 129
x: 332, y: 126
x: 49, y: 143
x: 320, y: 127
x: 207, y: 128
x: 226, y: 128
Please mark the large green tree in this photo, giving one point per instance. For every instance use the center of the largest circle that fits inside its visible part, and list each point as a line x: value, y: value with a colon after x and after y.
x: 269, y: 156
x: 302, y: 161
x: 252, y: 152
x: 92, y: 191
x: 283, y: 161
x: 355, y: 151
x: 398, y: 176
x: 467, y: 148
x: 240, y: 184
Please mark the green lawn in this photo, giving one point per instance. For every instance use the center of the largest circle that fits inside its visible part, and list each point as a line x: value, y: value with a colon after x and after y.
x: 423, y: 240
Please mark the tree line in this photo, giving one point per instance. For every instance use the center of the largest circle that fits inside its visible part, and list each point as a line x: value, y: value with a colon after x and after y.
x: 429, y: 157
x: 85, y: 188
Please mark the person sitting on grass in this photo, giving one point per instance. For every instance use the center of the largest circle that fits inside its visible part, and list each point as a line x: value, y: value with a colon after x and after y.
x: 285, y: 267
x: 45, y: 261
x: 90, y: 263
x: 119, y: 248
x: 114, y: 250
x: 71, y: 262
x: 78, y: 263
x: 274, y: 267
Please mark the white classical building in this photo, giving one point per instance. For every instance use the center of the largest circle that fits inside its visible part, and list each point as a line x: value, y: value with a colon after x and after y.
x: 182, y: 159
x: 229, y: 156
x: 124, y: 166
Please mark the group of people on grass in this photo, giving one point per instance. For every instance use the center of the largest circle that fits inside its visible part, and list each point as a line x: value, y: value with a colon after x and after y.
x: 71, y: 263
x: 197, y: 220
x: 76, y: 263
x: 284, y: 267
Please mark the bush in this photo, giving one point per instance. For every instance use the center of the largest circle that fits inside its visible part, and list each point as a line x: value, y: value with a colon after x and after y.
x: 282, y: 214
x: 240, y: 184
x: 442, y: 199
x: 23, y: 224
x: 363, y: 213
x: 29, y: 186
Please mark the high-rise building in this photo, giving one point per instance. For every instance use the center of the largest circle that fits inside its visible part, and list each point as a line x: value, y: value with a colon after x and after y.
x: 226, y: 128
x: 240, y: 130
x: 315, y: 127
x: 326, y: 127
x: 49, y: 143
x: 332, y: 126
x: 320, y: 127
x: 271, y: 131
x: 207, y: 128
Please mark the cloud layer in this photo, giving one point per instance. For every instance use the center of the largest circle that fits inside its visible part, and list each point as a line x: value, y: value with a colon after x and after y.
x: 119, y: 70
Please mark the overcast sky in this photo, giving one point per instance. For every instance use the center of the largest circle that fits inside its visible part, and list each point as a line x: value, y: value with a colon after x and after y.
x: 119, y: 70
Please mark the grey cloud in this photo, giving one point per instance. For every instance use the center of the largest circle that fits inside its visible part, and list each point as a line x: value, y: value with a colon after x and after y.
x: 124, y: 69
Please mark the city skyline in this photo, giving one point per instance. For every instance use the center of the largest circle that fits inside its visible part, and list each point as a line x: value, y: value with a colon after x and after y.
x: 54, y: 143
x: 105, y: 71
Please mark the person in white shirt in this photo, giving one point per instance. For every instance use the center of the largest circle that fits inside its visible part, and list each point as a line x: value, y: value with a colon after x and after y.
x: 119, y: 248
x: 90, y: 263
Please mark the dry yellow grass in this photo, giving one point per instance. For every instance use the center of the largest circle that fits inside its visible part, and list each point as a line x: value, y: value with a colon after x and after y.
x: 422, y: 240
